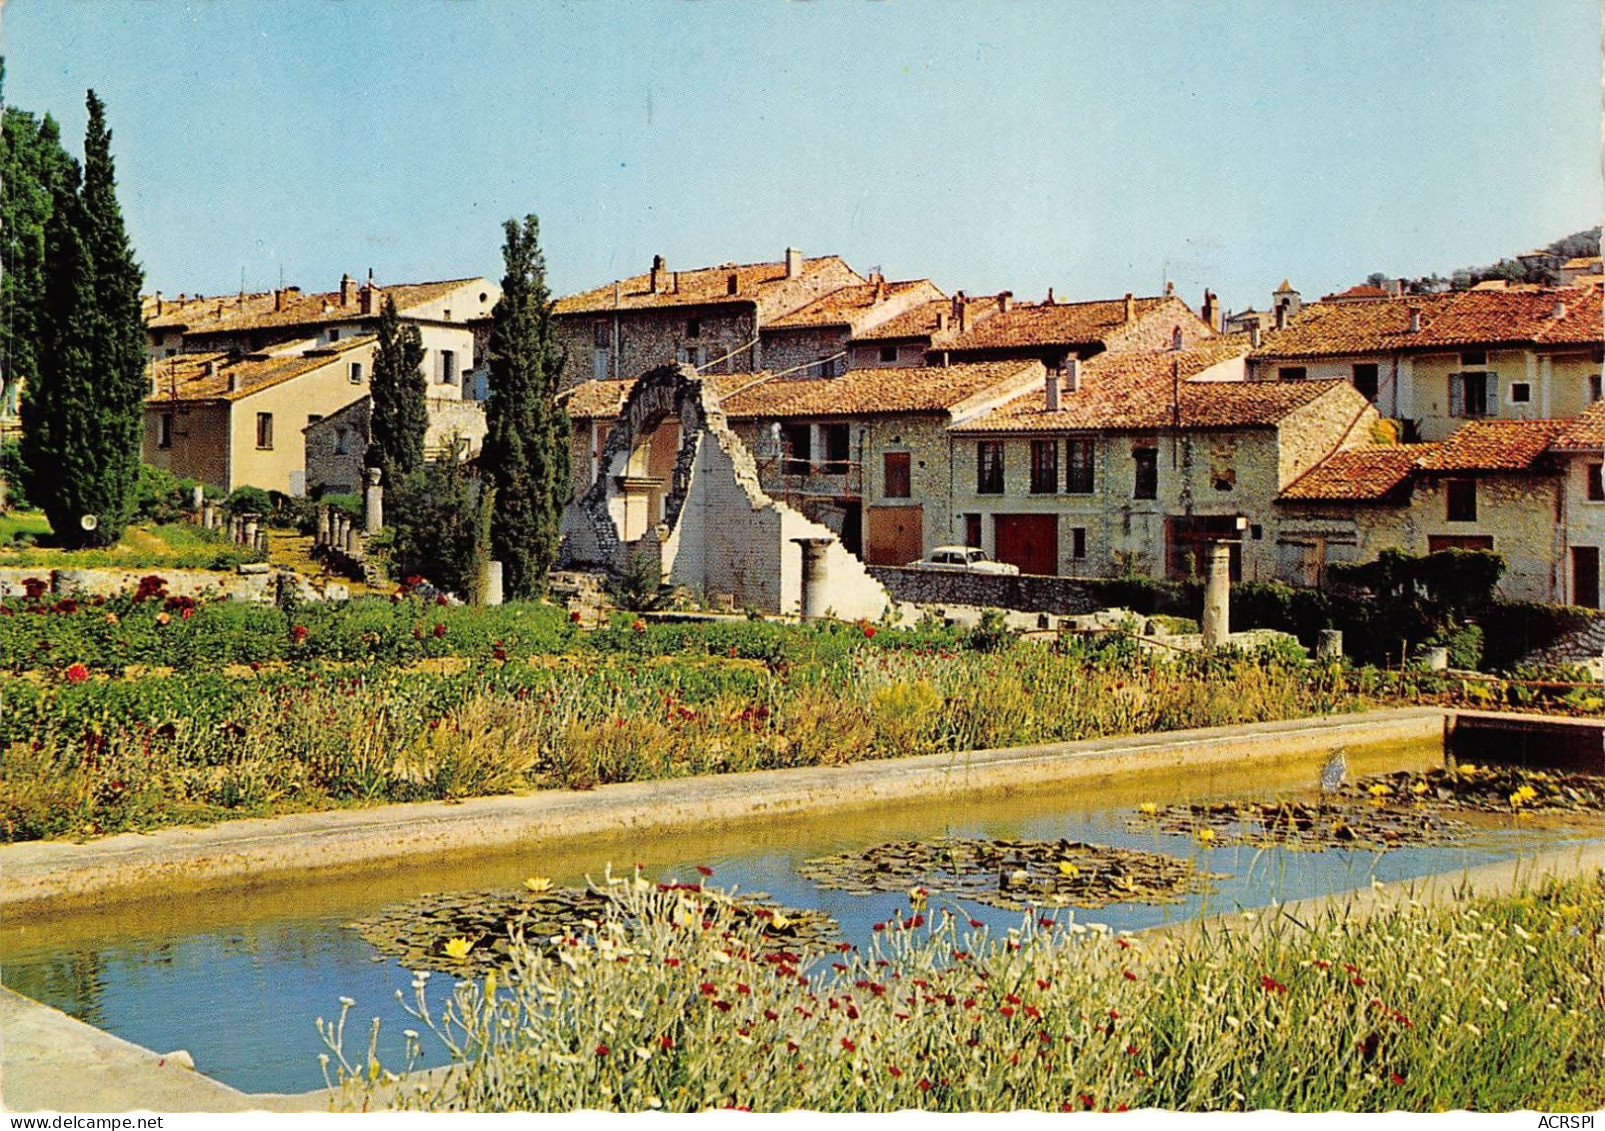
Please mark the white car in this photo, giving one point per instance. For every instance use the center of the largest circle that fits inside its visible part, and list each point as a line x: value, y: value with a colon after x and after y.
x: 963, y: 559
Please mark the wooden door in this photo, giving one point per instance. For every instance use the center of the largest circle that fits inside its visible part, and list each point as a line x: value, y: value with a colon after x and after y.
x: 896, y: 535
x: 1030, y: 541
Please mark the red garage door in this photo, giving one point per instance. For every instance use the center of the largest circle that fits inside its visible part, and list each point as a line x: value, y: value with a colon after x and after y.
x: 1030, y: 541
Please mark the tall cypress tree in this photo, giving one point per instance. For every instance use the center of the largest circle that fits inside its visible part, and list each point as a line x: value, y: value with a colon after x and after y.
x: 400, y: 414
x: 83, y: 417
x: 526, y: 452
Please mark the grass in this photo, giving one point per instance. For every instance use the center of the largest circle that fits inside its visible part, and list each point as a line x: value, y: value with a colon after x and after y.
x: 81, y: 755
x: 1493, y: 1004
x: 162, y: 546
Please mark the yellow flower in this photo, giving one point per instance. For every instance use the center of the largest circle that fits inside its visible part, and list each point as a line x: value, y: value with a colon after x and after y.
x: 1467, y: 768
x: 1381, y: 790
x: 458, y: 948
x: 1068, y: 869
x: 780, y: 921
x: 1419, y: 787
x: 916, y: 897
x: 1148, y: 808
x: 538, y: 883
x: 1206, y: 835
x: 490, y: 986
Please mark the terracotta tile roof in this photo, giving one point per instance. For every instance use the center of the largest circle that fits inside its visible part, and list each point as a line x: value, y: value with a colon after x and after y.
x: 921, y: 322
x: 1132, y: 391
x: 1493, y: 445
x: 847, y: 306
x: 1367, y: 473
x: 1585, y: 433
x: 184, y: 377
x: 702, y: 286
x: 1071, y: 324
x: 1462, y: 318
x: 1365, y: 292
x: 858, y: 392
x: 223, y: 314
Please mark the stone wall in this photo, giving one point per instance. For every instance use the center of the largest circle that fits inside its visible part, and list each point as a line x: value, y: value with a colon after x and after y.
x: 255, y: 584
x: 1062, y: 596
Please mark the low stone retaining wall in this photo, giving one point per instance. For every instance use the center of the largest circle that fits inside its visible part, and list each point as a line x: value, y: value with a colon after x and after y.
x: 1061, y: 596
x: 255, y: 582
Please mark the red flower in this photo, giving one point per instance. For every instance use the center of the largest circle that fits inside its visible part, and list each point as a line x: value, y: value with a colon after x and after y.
x: 601, y: 1050
x: 1006, y: 1010
x: 1395, y: 1078
x: 666, y: 1041
x: 638, y: 627
x: 771, y: 1015
x: 1123, y: 944
x: 1271, y: 984
x: 440, y: 630
x: 977, y: 924
x: 847, y: 1043
x: 869, y: 632
x: 1128, y: 975
x: 574, y: 617
x: 299, y: 632
x: 925, y: 1085
x: 1358, y: 981
x: 671, y: 962
x: 894, y: 1070
x: 704, y: 870
x: 1131, y: 1050
x: 440, y: 599
x: 76, y: 673
x: 708, y: 988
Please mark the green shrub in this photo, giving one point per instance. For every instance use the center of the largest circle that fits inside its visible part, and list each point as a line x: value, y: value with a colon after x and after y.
x: 15, y: 472
x: 249, y: 500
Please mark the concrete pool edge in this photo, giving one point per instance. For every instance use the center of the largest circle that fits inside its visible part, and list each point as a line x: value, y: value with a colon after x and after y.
x: 45, y: 875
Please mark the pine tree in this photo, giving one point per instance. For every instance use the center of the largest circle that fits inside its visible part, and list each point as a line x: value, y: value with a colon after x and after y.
x: 83, y: 416
x: 400, y: 413
x: 526, y: 452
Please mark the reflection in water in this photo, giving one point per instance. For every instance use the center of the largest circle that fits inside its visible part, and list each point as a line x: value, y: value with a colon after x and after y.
x: 239, y: 978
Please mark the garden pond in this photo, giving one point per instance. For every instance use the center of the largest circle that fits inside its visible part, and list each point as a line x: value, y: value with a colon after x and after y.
x: 240, y: 977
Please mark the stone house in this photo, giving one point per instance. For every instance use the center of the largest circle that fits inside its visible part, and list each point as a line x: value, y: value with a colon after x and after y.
x: 336, y: 445
x: 905, y: 340
x: 232, y: 421
x: 1492, y: 485
x: 451, y: 316
x: 710, y: 316
x: 1053, y: 332
x: 1579, y: 454
x: 1134, y: 461
x: 865, y: 454
x: 1582, y: 269
x: 1437, y: 361
x: 814, y: 340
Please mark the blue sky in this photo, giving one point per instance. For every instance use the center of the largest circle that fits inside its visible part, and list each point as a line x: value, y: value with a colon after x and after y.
x: 1092, y: 147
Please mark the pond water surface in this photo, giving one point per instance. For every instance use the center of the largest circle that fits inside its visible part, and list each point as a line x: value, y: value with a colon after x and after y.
x: 238, y: 978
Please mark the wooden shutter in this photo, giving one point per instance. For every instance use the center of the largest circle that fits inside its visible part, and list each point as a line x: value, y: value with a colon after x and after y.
x: 1457, y: 395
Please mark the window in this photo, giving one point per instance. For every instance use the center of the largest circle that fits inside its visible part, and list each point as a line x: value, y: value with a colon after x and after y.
x: 1594, y: 391
x: 601, y: 335
x: 447, y: 313
x: 1596, y: 482
x: 334, y: 333
x: 1292, y: 373
x: 164, y: 430
x: 989, y: 467
x: 838, y: 448
x: 1078, y: 470
x: 1473, y: 357
x: 1078, y: 542
x: 356, y: 372
x: 1044, y: 467
x: 1462, y: 500
x: 693, y: 328
x: 972, y: 530
x: 1365, y: 381
x: 797, y: 442
x: 1468, y: 394
x: 601, y: 368
x: 448, y: 367
x: 694, y: 355
x: 342, y: 442
x: 264, y: 430
x: 888, y: 353
x: 1520, y: 392
x: 1145, y: 473
x: 828, y: 367
x: 895, y: 479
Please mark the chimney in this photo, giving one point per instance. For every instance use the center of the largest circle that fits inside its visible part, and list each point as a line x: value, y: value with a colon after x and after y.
x: 1281, y: 316
x: 348, y: 290
x: 279, y: 297
x: 158, y: 302
x: 732, y: 285
x: 1415, y: 320
x: 794, y: 263
x: 234, y: 382
x: 961, y: 310
x: 370, y: 299
x: 1051, y: 389
x: 1131, y: 308
x: 941, y: 321
x: 1170, y: 288
x: 1005, y: 300
x: 1253, y: 336
x: 1072, y: 374
x: 674, y: 282
x: 1050, y: 297
x: 1210, y: 311
x: 660, y: 272
x: 1560, y: 310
